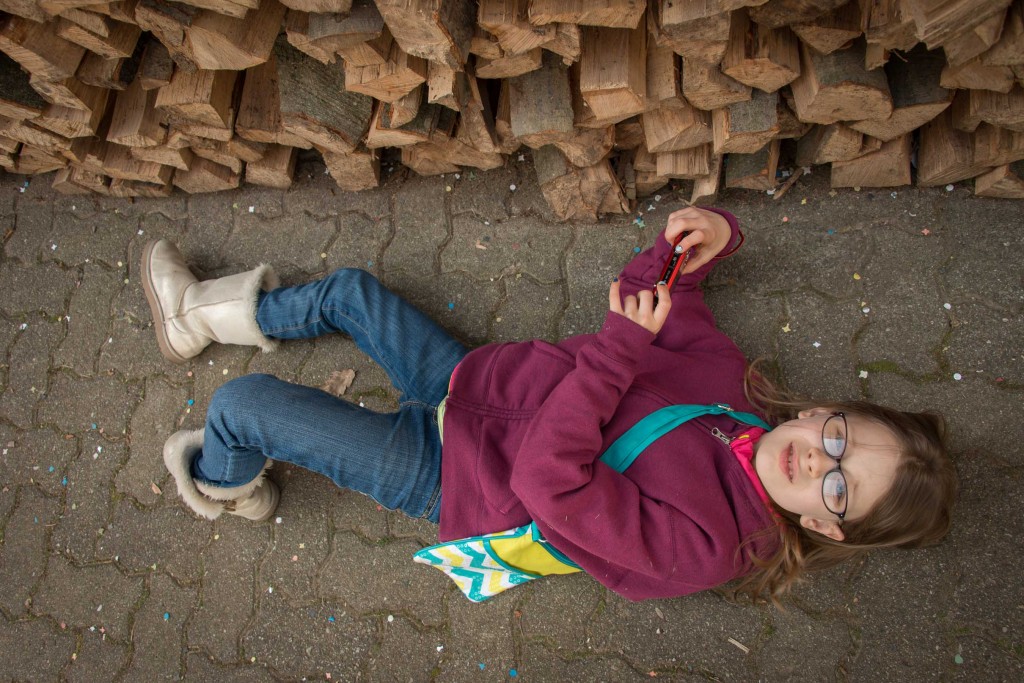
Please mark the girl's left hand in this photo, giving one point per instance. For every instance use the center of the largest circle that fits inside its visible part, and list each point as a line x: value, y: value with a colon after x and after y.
x: 640, y: 308
x: 709, y: 234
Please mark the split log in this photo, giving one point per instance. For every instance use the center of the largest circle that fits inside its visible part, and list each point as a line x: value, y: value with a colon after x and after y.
x: 199, y: 129
x: 790, y: 127
x: 206, y: 176
x: 27, y: 9
x: 315, y: 103
x: 222, y: 42
x: 476, y: 121
x: 485, y: 45
x: 978, y: 76
x: 832, y: 31
x: 135, y: 188
x: 825, y: 144
x: 203, y: 96
x: 404, y: 109
x: 973, y: 42
x: 707, y: 88
x: 1010, y: 48
x: 887, y: 167
x: 214, y: 151
x: 74, y: 123
x: 179, y: 158
x: 611, y: 13
x: 386, y: 133
x: 389, y: 81
x: 686, y: 163
x: 120, y: 43
x: 997, y: 146
x: 39, y: 49
x: 431, y: 29
x: 32, y: 160
x: 887, y: 26
x: 760, y: 57
x: 567, y: 42
x: 156, y: 67
x: 1005, y: 182
x: 629, y: 134
x: 1003, y: 110
x: 664, y: 78
x: 94, y: 23
x: 18, y: 99
x: 134, y: 121
x: 676, y: 128
x: 507, y: 20
x: 275, y: 169
x: 322, y: 35
x: 96, y: 182
x: 441, y: 84
x: 836, y: 87
x: 695, y: 30
x: 427, y: 159
x: 577, y: 193
x: 705, y: 189
x: 119, y: 163
x: 776, y: 13
x: 746, y: 127
x: 937, y: 22
x: 509, y: 66
x: 167, y: 21
x: 917, y: 96
x: 946, y: 154
x: 104, y: 72
x: 613, y: 78
x: 504, y: 139
x: 538, y: 121
x: 587, y: 146
x: 753, y: 171
x: 329, y: 6
x: 373, y: 52
x: 62, y: 182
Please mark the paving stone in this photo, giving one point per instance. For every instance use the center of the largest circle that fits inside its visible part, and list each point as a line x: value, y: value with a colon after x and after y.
x: 458, y: 303
x: 479, y: 632
x: 257, y: 240
x: 158, y: 631
x: 420, y: 530
x: 39, y: 457
x: 208, y: 373
x: 99, y: 659
x: 360, y: 242
x: 405, y: 653
x: 88, y: 503
x: 305, y: 517
x: 691, y: 632
x: 256, y: 201
x: 173, y: 207
x: 985, y: 342
x: 909, y: 643
x: 170, y: 538
x: 42, y: 288
x: 526, y: 199
x: 371, y: 385
x: 23, y: 553
x: 542, y: 665
x: 74, y: 404
x: 816, y: 355
x: 200, y: 669
x: 519, y: 245
x: 559, y: 610
x: 420, y: 228
x: 355, y: 512
x: 803, y: 647
x: 210, y: 220
x: 43, y: 660
x: 529, y: 311
x: 88, y: 327
x: 754, y: 321
x: 481, y: 194
x: 303, y: 641
x: 382, y: 576
x: 596, y: 256
x: 315, y: 193
x: 29, y: 366
x: 155, y: 419
x: 33, y: 225
x: 131, y: 350
x: 89, y: 596
x: 75, y: 241
x: 284, y: 361
x: 228, y: 585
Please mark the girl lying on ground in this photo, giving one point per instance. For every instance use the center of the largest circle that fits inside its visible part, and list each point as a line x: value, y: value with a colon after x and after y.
x: 523, y: 425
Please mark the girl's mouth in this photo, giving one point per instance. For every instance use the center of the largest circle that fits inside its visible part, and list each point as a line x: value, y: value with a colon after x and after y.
x: 786, y: 462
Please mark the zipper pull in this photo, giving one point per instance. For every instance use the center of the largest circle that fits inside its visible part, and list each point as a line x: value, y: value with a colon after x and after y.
x: 720, y: 435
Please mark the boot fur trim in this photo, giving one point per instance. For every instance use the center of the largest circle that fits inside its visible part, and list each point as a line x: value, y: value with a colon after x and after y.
x: 179, y: 450
x: 262, y: 278
x: 235, y: 493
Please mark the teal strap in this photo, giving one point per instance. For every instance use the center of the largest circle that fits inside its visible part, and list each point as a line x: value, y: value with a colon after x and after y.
x: 621, y: 454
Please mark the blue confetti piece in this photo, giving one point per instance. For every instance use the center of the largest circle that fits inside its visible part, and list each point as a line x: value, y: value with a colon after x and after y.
x: 51, y: 468
x: 330, y: 619
x: 35, y: 520
x: 94, y: 425
x: 482, y: 666
x: 513, y: 673
x: 451, y: 305
x: 64, y: 481
x: 636, y: 250
x: 167, y: 616
x: 191, y: 401
x: 369, y: 264
x: 830, y: 232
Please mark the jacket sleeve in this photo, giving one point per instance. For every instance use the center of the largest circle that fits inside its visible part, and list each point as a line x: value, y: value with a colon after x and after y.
x: 690, y: 325
x: 562, y: 484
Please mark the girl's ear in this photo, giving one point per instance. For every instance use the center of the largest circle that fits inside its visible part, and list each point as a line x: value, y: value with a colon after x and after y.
x: 824, y: 527
x: 812, y: 412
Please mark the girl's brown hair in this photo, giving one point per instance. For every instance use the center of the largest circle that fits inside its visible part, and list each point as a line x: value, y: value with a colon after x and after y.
x: 915, y: 512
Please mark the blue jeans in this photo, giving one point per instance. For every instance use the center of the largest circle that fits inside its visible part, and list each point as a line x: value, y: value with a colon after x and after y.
x: 395, y: 458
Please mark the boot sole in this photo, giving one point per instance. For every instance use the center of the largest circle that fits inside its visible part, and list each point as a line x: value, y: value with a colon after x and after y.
x: 154, y: 306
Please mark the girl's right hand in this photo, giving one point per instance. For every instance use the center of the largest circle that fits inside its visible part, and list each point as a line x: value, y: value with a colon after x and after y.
x: 640, y: 308
x: 709, y: 234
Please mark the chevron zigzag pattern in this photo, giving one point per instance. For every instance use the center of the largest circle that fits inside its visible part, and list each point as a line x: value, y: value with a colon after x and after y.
x: 471, y: 567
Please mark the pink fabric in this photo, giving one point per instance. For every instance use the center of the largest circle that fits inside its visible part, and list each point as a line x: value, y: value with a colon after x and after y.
x: 743, y: 449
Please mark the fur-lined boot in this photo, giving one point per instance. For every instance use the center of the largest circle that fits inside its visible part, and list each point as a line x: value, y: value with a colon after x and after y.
x: 256, y: 500
x: 189, y: 314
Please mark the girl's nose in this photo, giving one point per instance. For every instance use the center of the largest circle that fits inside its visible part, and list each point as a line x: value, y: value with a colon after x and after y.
x: 819, y: 463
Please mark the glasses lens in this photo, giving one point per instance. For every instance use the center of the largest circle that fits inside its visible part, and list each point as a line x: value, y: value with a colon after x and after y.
x: 834, y: 436
x: 833, y: 491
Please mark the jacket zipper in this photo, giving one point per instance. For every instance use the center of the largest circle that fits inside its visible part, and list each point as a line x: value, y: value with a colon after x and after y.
x: 721, y: 436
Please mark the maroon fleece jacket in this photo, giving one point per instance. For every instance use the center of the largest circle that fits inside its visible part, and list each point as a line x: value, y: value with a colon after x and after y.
x: 525, y: 424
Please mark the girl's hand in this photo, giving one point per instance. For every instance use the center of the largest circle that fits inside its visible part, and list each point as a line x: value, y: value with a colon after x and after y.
x: 640, y: 308
x: 709, y: 234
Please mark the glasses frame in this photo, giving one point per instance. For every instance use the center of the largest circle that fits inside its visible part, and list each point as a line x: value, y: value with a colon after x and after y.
x: 838, y: 468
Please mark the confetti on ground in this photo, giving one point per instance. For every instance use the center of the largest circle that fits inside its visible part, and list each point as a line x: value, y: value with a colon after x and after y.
x: 339, y: 381
x: 957, y: 376
x: 865, y: 310
x: 191, y: 401
x: 856, y: 276
x: 64, y: 481
x: 785, y: 328
x: 512, y: 187
x: 639, y: 220
x: 331, y: 618
x: 522, y: 157
x: 167, y: 616
x: 893, y: 194
x: 769, y: 192
x: 252, y: 209
x: 323, y: 254
x: 513, y: 673
x: 51, y: 468
x: 481, y: 245
x: 803, y: 201
x: 785, y: 219
x: 155, y: 488
x: 657, y: 197
x: 451, y: 305
x: 636, y: 250
x: 926, y: 232
x: 739, y: 645
x: 391, y: 618
x: 224, y: 371
x: 277, y: 520
x: 863, y: 374
x: 947, y: 306
x: 958, y: 659
x: 447, y: 188
x: 949, y: 188
x: 816, y: 345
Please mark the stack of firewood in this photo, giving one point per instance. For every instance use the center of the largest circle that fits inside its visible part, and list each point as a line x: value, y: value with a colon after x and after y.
x: 614, y: 97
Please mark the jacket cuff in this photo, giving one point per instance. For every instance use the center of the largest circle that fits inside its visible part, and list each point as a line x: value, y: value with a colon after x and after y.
x: 621, y: 339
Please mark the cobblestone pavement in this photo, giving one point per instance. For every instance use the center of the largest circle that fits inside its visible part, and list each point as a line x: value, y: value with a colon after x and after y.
x: 913, y: 298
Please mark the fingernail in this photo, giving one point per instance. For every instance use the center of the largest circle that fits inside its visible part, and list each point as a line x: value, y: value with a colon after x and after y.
x: 615, y: 279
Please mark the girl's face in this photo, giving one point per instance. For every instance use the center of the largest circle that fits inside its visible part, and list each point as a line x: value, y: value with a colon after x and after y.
x: 791, y: 462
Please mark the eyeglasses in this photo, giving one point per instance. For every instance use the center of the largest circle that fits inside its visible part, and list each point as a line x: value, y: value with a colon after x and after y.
x: 833, y: 486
